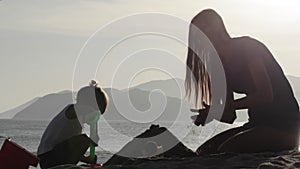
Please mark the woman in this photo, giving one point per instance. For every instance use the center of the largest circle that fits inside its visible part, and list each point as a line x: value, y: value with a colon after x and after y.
x: 250, y: 69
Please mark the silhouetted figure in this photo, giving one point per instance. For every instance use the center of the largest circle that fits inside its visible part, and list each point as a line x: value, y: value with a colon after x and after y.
x: 250, y: 69
x: 63, y: 141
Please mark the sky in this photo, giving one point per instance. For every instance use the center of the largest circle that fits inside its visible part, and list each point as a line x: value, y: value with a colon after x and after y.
x: 40, y: 41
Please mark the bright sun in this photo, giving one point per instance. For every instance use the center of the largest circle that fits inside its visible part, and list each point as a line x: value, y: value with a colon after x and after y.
x: 279, y: 6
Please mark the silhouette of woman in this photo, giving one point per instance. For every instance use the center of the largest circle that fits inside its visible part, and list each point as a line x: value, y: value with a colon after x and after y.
x: 250, y: 69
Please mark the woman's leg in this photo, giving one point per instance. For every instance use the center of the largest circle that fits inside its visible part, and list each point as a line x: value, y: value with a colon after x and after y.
x: 211, y: 146
x: 260, y: 139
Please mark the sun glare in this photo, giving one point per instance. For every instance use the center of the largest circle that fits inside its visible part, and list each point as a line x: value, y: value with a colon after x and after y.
x: 276, y: 2
x: 278, y: 7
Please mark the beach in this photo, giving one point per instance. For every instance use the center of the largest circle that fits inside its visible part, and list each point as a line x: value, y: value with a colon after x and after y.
x: 28, y: 133
x: 181, y: 156
x: 267, y: 160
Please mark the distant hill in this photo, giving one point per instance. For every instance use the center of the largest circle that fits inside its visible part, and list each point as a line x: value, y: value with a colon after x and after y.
x: 171, y: 87
x: 123, y: 104
x: 175, y: 87
x: 160, y: 96
x: 295, y: 83
x: 137, y: 104
x: 45, y: 107
x: 12, y: 112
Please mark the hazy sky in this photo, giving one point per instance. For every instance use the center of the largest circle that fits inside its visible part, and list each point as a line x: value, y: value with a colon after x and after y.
x: 40, y: 40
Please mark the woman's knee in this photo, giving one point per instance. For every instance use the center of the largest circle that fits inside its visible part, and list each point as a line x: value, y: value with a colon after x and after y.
x: 211, y: 146
x: 259, y: 140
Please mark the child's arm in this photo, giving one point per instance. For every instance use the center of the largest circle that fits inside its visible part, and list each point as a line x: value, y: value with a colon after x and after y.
x: 95, y: 138
x: 70, y: 112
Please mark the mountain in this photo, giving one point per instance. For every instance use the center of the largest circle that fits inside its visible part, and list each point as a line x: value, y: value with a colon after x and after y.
x: 170, y: 87
x: 131, y: 104
x: 12, y: 112
x: 162, y: 96
x: 139, y: 105
x: 175, y: 87
x: 154, y: 97
x: 45, y: 107
x: 295, y: 83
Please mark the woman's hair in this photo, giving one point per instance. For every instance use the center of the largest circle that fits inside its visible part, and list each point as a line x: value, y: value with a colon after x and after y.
x: 197, y: 80
x: 93, y: 96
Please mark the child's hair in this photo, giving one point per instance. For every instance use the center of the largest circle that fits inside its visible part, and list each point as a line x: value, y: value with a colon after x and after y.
x: 93, y: 96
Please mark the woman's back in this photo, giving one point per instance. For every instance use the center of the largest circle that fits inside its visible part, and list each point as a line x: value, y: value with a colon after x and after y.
x: 284, y: 107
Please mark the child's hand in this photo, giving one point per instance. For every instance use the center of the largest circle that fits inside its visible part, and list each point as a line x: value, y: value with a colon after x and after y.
x: 95, y: 159
x: 87, y: 159
x: 96, y: 139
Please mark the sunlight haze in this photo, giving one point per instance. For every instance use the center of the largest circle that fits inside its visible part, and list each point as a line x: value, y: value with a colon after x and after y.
x: 40, y: 40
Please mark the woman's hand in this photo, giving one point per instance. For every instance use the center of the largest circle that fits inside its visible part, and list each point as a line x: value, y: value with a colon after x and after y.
x: 200, y: 119
x: 229, y: 114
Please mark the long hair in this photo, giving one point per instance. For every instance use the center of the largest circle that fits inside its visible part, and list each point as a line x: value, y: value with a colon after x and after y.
x: 197, y: 80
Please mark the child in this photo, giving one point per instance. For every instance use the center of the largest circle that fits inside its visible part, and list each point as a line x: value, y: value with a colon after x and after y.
x: 63, y: 141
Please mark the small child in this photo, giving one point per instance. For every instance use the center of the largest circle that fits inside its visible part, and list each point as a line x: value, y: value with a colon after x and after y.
x: 63, y: 141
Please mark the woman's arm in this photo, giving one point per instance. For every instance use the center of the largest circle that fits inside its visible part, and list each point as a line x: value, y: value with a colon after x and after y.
x: 229, y: 114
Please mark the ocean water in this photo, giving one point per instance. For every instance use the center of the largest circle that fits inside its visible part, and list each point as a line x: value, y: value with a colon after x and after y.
x: 113, y: 135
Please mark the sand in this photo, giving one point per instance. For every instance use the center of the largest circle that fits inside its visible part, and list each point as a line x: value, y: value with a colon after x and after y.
x: 180, y: 157
x: 267, y: 160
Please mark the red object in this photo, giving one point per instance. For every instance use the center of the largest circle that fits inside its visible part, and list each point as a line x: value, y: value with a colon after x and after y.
x: 97, y: 165
x: 13, y: 156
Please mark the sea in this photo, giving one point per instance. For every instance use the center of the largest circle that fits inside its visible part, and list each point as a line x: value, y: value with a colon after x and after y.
x: 113, y: 135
